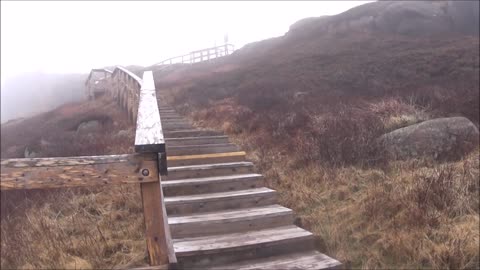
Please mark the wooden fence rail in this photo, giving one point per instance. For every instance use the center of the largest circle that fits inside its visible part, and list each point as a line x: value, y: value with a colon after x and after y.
x: 200, y: 55
x: 145, y: 167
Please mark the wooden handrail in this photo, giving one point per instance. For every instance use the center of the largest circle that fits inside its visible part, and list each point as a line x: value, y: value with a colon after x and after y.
x: 62, y: 172
x: 191, y: 58
x: 95, y: 70
x: 128, y: 72
x: 138, y: 97
x: 149, y: 134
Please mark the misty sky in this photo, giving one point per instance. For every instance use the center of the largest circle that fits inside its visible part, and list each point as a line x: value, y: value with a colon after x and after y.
x: 75, y: 36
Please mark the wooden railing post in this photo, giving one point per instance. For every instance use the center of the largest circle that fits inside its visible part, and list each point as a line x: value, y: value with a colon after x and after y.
x: 149, y: 139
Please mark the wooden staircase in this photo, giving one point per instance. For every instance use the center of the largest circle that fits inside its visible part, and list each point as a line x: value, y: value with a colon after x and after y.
x: 220, y: 214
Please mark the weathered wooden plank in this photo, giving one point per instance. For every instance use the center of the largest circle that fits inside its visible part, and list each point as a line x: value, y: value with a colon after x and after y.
x: 191, y: 133
x: 42, y: 173
x: 155, y: 234
x: 210, y: 202
x: 172, y: 258
x: 149, y: 133
x: 253, y: 245
x: 176, y: 126
x: 205, y: 159
x: 229, y: 221
x: 129, y: 73
x: 237, y: 241
x: 194, y: 171
x: 298, y: 260
x: 205, y: 156
x: 202, y: 149
x: 211, y: 184
x: 196, y: 140
x: 73, y: 161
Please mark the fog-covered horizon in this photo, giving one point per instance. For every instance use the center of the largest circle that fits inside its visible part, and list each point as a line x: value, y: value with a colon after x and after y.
x: 75, y: 36
x: 46, y: 47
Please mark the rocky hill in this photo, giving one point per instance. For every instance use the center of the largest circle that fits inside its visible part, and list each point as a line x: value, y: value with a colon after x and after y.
x: 377, y: 49
x: 416, y: 18
x: 310, y: 106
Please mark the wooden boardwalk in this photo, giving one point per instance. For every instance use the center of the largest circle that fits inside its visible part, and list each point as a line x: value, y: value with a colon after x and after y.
x: 220, y: 214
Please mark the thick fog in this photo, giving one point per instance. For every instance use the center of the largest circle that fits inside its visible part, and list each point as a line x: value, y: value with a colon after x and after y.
x: 48, y: 48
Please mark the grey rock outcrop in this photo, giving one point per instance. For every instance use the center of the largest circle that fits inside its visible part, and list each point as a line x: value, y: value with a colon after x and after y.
x: 417, y: 18
x: 441, y: 138
x: 122, y: 133
x: 89, y: 126
x: 29, y: 153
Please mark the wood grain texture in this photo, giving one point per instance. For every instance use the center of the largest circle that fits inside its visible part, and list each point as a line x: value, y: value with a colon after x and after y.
x: 230, y: 221
x: 202, y: 149
x: 211, y: 184
x: 179, y: 205
x: 42, y: 173
x: 191, y: 133
x: 207, y: 170
x: 299, y: 260
x: 157, y: 232
x: 238, y: 241
x: 172, y: 258
x: 196, y: 140
x: 149, y: 133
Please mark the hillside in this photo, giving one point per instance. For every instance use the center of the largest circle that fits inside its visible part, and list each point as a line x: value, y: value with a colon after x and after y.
x: 441, y: 70
x: 309, y: 107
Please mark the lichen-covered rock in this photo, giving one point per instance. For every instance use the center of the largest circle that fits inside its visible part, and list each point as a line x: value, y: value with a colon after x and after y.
x: 89, y: 126
x: 441, y: 138
x: 122, y: 133
x: 28, y: 153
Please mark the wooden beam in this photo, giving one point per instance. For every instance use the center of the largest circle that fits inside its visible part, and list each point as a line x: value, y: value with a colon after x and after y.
x: 149, y: 133
x: 155, y: 223
x: 43, y: 173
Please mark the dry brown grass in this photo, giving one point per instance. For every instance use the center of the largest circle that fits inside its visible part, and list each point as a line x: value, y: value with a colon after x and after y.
x: 97, y: 227
x: 413, y: 214
x: 366, y: 211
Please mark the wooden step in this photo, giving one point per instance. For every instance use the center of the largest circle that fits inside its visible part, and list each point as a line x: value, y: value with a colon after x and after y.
x: 188, y: 204
x: 208, y: 170
x: 168, y: 116
x: 234, y: 247
x: 163, y: 110
x: 176, y: 126
x: 211, y: 184
x: 165, y: 119
x: 196, y: 140
x: 298, y: 260
x: 168, y: 113
x: 171, y: 117
x: 205, y: 158
x: 201, y: 149
x: 190, y: 133
x: 230, y: 221
x: 174, y: 120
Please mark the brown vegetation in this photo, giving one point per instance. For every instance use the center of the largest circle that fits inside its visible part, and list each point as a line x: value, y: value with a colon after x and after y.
x: 367, y: 211
x: 308, y: 109
x: 76, y: 228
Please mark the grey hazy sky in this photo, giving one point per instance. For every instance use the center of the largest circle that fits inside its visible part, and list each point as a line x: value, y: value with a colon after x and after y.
x: 75, y: 36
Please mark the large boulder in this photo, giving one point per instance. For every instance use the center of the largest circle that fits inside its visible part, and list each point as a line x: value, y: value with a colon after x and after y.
x: 89, y: 126
x: 441, y: 138
x: 28, y: 153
